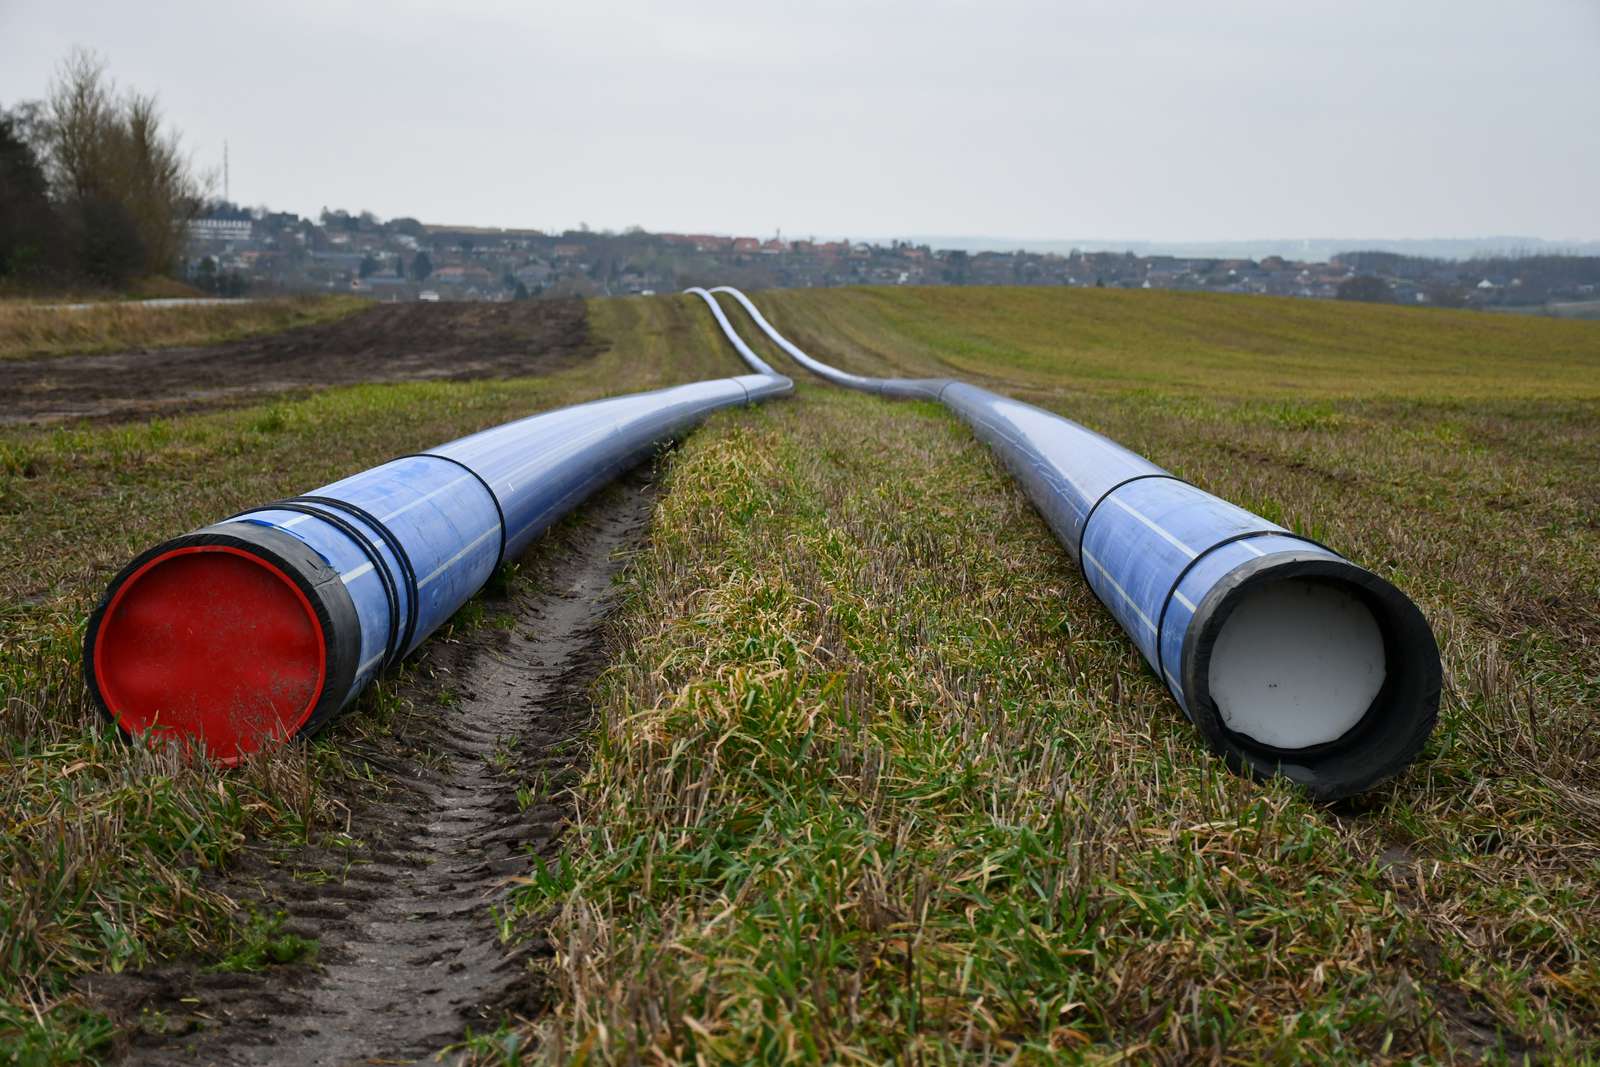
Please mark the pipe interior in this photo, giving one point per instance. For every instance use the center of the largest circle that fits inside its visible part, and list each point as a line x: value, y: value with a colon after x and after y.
x: 1297, y: 663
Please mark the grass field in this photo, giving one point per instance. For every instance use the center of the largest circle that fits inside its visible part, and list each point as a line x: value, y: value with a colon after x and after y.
x: 28, y: 328
x: 874, y: 777
x: 1111, y: 342
x: 878, y: 780
x: 105, y: 849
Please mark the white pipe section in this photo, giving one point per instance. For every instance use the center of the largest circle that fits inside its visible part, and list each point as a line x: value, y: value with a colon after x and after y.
x: 1297, y: 664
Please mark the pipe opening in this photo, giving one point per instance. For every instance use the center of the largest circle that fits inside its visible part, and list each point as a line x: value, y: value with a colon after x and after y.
x: 1297, y: 663
x: 1313, y: 668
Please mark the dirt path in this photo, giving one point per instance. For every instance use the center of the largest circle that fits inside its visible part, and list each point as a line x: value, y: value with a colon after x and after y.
x: 389, y: 342
x: 409, y: 953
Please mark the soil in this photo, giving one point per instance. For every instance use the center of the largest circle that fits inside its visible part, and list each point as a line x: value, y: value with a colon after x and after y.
x: 409, y: 955
x: 389, y: 342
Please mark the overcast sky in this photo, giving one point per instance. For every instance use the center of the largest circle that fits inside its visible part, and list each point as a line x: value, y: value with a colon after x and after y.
x: 1165, y: 119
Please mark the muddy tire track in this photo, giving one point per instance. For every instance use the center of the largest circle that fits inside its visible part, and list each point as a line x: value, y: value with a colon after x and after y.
x: 409, y: 950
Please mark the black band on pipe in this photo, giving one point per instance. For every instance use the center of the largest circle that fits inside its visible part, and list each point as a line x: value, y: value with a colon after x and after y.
x: 394, y: 645
x: 501, y: 558
x: 406, y: 570
x: 1161, y: 619
x: 391, y: 650
x: 1083, y: 531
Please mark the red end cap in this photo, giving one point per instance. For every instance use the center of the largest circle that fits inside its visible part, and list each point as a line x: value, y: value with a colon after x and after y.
x: 213, y: 644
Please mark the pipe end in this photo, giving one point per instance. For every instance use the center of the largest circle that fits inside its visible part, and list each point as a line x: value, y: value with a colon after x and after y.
x: 230, y: 639
x: 1306, y: 665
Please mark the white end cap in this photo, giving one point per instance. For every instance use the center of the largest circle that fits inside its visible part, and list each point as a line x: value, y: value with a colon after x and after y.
x: 1297, y: 663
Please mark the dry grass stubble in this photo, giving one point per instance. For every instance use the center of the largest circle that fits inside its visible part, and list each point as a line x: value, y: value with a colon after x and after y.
x: 878, y: 779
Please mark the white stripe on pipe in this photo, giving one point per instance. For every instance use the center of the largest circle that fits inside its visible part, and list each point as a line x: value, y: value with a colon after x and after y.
x: 568, y: 445
x: 368, y: 665
x: 1023, y: 416
x: 447, y: 564
x: 1247, y: 546
x: 1123, y: 593
x: 424, y: 498
x: 1148, y: 521
x: 351, y: 575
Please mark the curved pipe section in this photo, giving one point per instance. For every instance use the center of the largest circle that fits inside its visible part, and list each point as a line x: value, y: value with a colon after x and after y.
x: 746, y: 353
x: 912, y: 388
x: 1289, y: 658
x: 267, y: 624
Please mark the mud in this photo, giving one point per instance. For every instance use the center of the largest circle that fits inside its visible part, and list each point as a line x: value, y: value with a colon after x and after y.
x: 389, y: 342
x: 409, y: 952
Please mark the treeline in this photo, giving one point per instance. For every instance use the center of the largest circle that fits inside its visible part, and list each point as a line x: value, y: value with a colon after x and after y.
x: 1516, y: 279
x: 93, y: 188
x: 1533, y: 267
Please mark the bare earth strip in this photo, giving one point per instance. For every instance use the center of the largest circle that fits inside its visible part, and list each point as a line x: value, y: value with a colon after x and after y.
x: 410, y: 955
x: 389, y: 342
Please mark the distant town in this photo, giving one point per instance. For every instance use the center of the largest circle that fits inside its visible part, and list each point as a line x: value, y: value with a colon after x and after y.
x: 233, y: 251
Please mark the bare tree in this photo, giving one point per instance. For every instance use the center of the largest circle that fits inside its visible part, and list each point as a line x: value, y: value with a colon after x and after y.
x: 110, y: 158
x: 80, y: 127
x: 162, y: 192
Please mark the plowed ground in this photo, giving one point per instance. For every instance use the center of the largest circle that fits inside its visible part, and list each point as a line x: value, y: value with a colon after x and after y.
x: 389, y: 342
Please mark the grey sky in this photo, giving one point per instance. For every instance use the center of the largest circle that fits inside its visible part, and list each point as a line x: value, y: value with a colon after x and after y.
x: 1126, y: 119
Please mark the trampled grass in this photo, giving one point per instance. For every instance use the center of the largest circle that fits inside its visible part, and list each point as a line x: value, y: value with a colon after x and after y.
x: 878, y: 780
x: 29, y: 328
x: 106, y: 849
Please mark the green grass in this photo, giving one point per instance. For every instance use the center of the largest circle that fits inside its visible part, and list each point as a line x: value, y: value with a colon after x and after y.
x: 878, y: 780
x: 108, y: 851
x: 1199, y: 344
x: 261, y: 942
x: 875, y: 778
x: 28, y: 330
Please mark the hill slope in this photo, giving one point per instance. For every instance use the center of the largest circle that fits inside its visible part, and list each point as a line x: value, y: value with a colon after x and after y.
x: 1192, y: 343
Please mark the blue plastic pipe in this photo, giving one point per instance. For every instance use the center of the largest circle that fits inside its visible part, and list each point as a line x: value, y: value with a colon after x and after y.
x: 268, y: 623
x: 1289, y: 658
x: 746, y: 353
